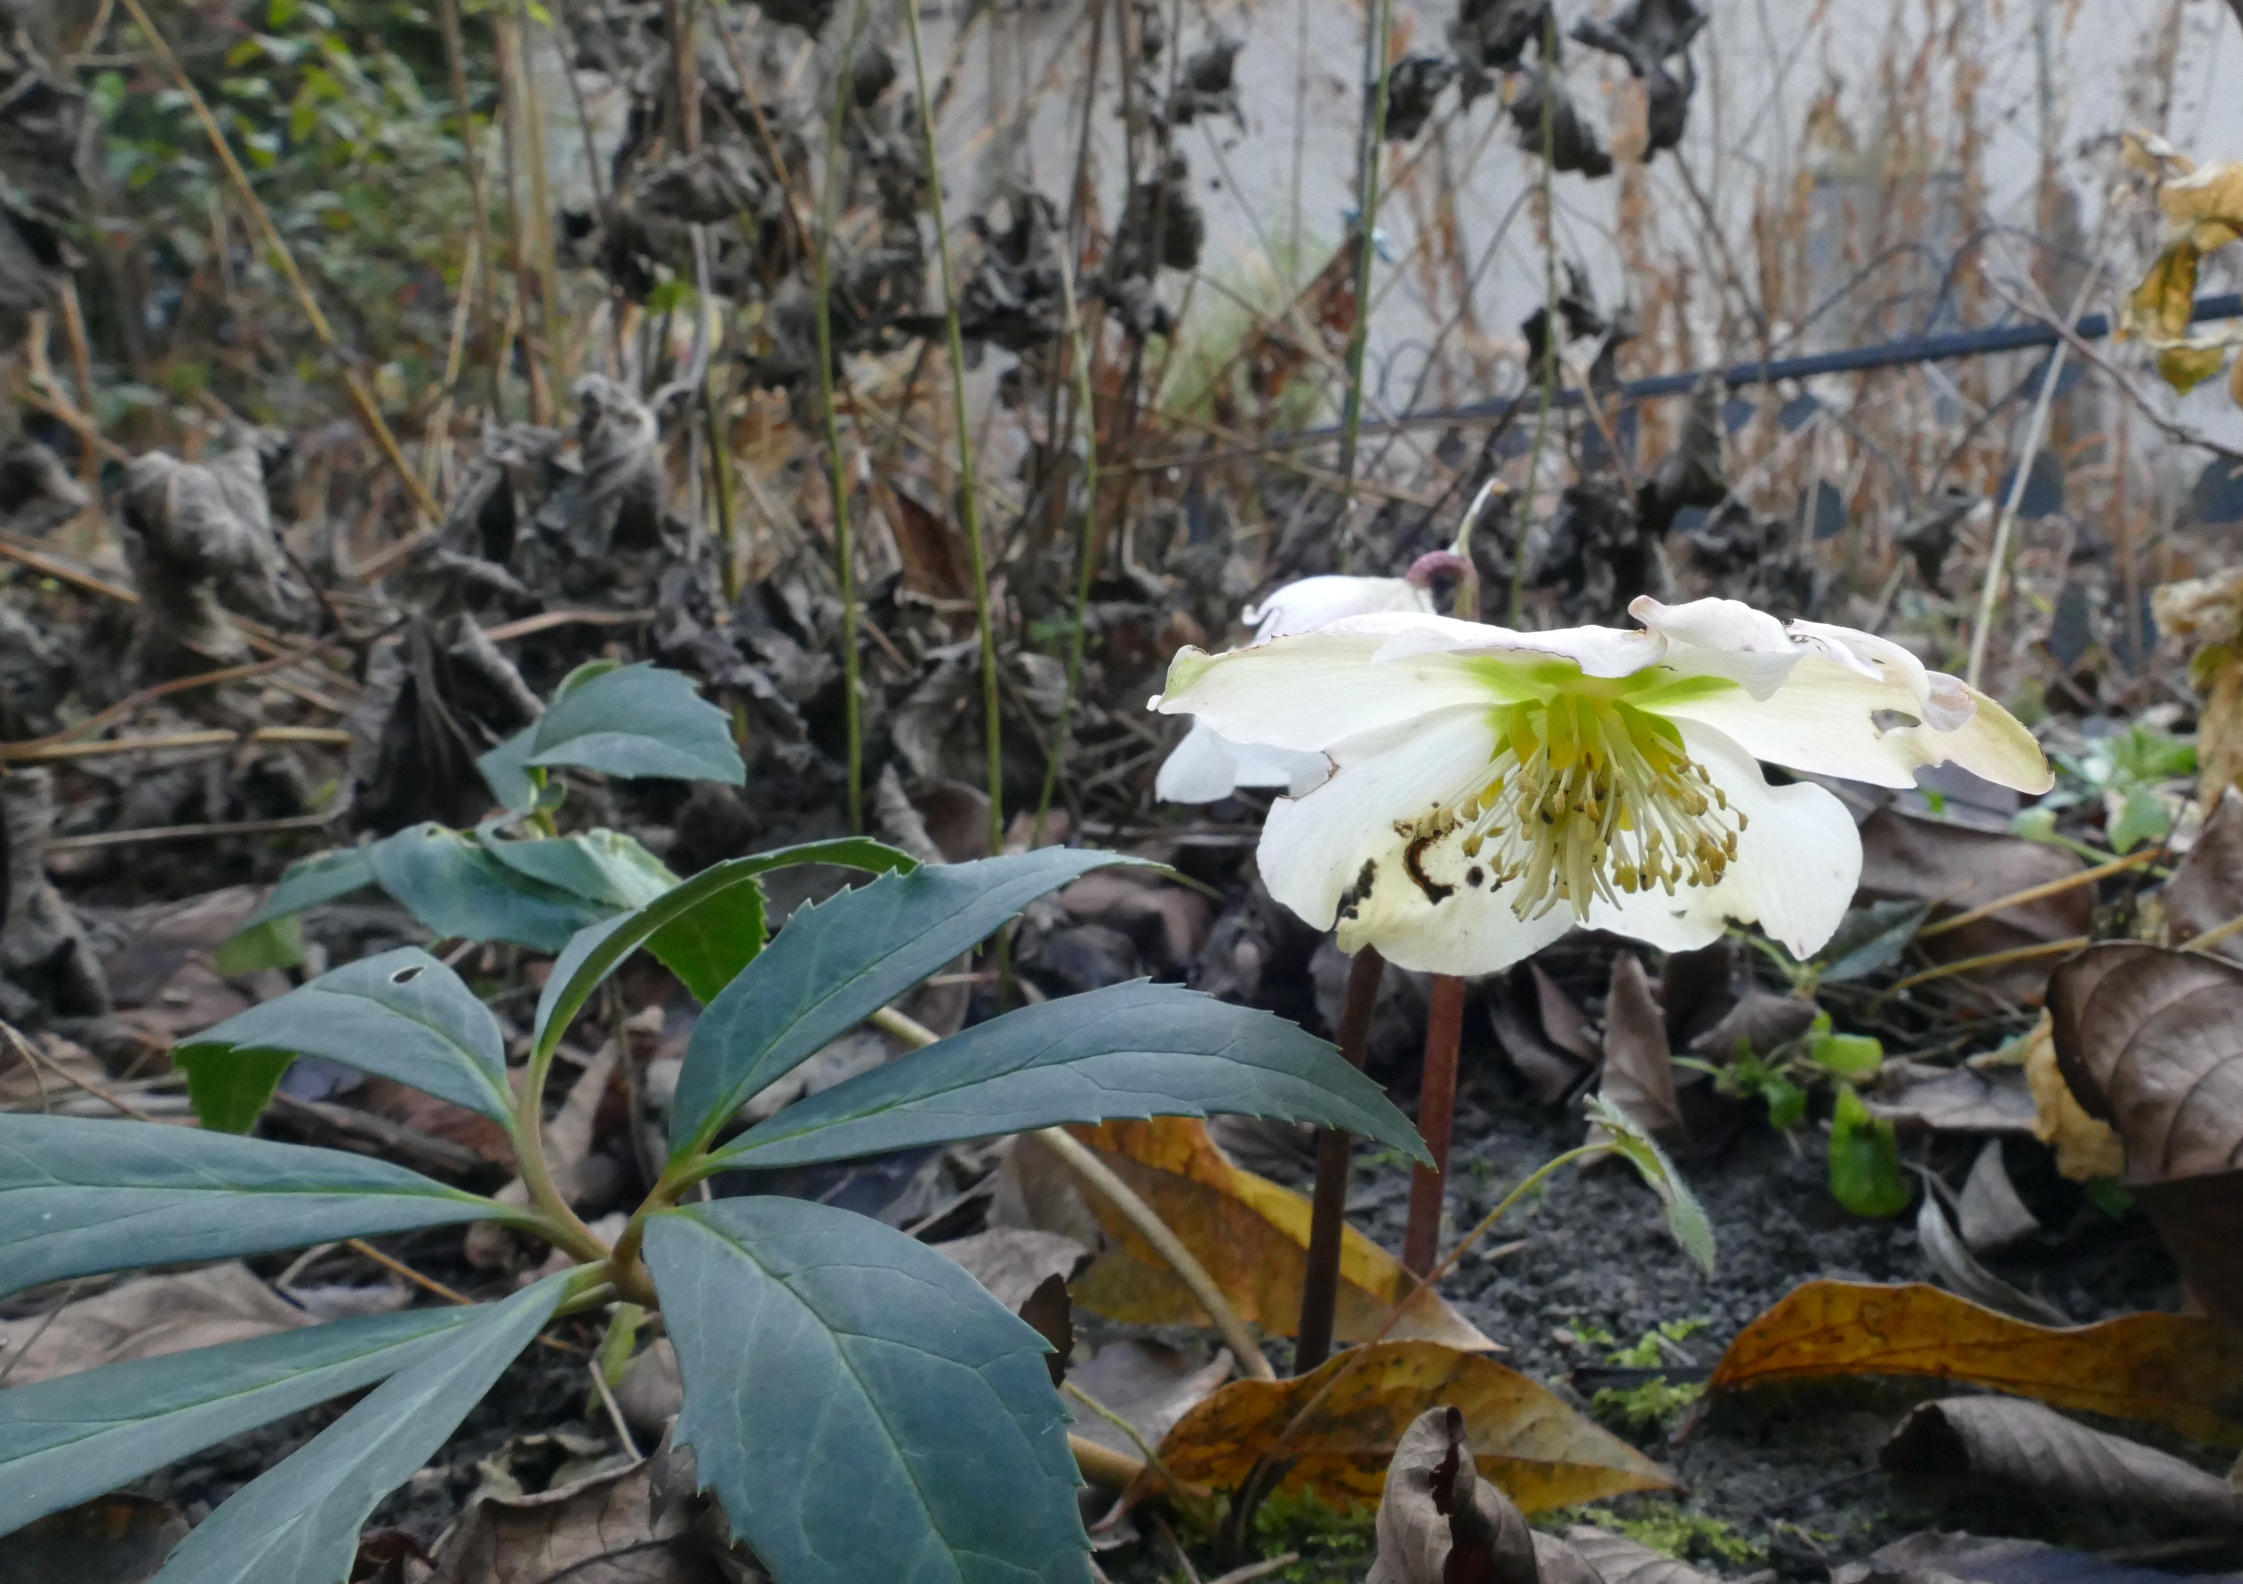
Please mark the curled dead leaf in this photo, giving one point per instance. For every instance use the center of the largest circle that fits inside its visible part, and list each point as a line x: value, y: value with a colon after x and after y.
x: 2175, y: 1370
x: 2018, y: 1446
x: 1619, y: 1560
x: 1252, y: 1236
x: 1438, y: 1520
x: 1535, y: 1449
x: 1638, y: 1065
x: 145, y: 1317
x: 2151, y: 1041
x: 2206, y: 890
x: 603, y: 1529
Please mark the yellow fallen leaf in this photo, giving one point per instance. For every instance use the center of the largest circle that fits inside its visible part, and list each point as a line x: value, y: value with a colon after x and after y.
x: 1250, y: 1233
x: 1539, y: 1452
x: 2084, y: 1147
x: 2177, y: 1370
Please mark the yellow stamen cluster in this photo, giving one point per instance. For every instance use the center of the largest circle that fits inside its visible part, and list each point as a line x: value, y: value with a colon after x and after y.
x: 1588, y: 797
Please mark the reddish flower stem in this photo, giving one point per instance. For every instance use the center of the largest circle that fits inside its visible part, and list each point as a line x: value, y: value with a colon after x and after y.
x: 1320, y: 1285
x: 1436, y: 1112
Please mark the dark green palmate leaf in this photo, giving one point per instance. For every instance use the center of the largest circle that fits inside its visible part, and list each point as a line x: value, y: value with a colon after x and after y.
x: 637, y: 720
x: 79, y: 1197
x: 454, y: 886
x: 1131, y: 1050
x: 704, y: 930
x: 320, y: 878
x: 859, y: 1404
x: 68, y: 1440
x: 402, y: 1015
x: 298, y: 1523
x: 837, y: 963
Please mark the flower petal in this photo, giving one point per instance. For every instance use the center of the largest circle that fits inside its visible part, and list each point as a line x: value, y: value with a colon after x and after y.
x: 1315, y: 690
x: 1598, y: 651
x: 1822, y: 720
x: 1207, y: 766
x: 1798, y: 862
x: 1337, y: 854
x: 1314, y: 602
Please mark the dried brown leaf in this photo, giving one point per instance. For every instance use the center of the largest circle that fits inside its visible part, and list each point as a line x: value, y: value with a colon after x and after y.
x: 1550, y: 1067
x: 2023, y: 1446
x: 1958, y: 1270
x: 1564, y: 1024
x: 1535, y: 1449
x: 2207, y: 885
x: 2151, y: 1041
x: 1638, y: 1066
x: 600, y: 1530
x: 1619, y: 1560
x: 109, y: 1540
x: 1439, y: 1522
x: 1252, y: 1236
x: 1012, y: 1262
x: 1150, y: 1384
x: 2175, y: 1370
x: 1957, y: 868
x: 147, y: 1316
x: 1991, y: 1217
x: 1951, y: 1099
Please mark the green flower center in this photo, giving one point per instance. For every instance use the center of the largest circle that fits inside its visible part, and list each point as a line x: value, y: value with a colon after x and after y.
x: 1588, y: 795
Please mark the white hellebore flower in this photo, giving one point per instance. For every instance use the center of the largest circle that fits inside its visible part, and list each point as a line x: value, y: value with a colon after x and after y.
x: 1207, y: 764
x: 1492, y: 789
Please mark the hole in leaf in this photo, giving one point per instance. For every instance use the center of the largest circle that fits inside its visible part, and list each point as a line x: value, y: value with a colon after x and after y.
x: 406, y: 975
x: 1886, y: 720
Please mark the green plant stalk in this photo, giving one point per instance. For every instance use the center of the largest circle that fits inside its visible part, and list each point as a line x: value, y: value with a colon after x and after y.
x: 480, y: 285
x: 1549, y: 394
x: 1086, y: 545
x: 1375, y: 27
x: 837, y: 467
x: 969, y: 496
x: 558, y: 1223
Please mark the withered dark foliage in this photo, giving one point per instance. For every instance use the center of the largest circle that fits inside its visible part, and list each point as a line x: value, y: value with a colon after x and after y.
x: 1413, y: 88
x: 1493, y: 35
x: 1651, y: 36
x: 1208, y: 87
x: 1572, y: 144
